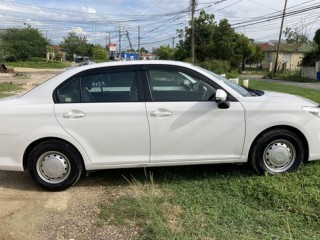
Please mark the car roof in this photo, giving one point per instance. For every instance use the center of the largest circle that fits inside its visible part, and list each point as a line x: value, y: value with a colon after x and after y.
x: 138, y: 62
x: 74, y: 70
x: 44, y: 91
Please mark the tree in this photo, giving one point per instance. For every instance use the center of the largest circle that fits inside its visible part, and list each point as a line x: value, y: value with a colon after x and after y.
x: 165, y: 52
x: 294, y: 36
x: 143, y: 50
x: 223, y: 41
x: 316, y: 39
x: 312, y: 57
x: 99, y: 53
x: 23, y: 43
x: 75, y: 44
x: 214, y: 42
x: 243, y: 48
x: 205, y: 26
x: 257, y: 56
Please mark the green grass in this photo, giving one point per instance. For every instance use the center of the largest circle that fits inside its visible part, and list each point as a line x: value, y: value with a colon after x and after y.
x: 218, y: 201
x: 39, y: 64
x: 7, y: 89
x: 278, y: 87
x: 289, y: 76
x: 296, y: 78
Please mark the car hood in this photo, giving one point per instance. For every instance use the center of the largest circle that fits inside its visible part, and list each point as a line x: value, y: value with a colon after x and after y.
x: 289, y: 97
x: 276, y: 101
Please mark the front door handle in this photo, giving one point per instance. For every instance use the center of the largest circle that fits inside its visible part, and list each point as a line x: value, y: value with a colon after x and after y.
x: 161, y: 113
x: 74, y: 114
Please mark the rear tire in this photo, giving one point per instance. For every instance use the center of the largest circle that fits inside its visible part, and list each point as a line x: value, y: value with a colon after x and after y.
x: 55, y: 165
x: 277, y: 151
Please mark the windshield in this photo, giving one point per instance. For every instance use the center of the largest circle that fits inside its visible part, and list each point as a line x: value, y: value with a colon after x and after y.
x: 239, y: 89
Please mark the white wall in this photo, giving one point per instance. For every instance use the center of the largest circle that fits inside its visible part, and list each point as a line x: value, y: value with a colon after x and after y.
x: 310, y: 72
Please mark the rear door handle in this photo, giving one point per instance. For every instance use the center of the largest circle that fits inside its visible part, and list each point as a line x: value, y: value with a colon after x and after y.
x: 161, y: 113
x: 74, y: 114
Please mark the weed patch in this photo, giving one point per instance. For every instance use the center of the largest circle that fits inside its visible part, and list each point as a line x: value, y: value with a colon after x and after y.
x: 221, y: 202
x: 7, y: 89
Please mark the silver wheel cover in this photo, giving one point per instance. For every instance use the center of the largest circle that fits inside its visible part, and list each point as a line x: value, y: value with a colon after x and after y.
x: 279, y: 156
x: 53, y: 167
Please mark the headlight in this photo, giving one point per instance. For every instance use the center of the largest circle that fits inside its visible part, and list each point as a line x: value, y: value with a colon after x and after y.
x: 313, y: 110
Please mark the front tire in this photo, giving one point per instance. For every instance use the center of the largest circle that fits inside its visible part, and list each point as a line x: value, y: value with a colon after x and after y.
x: 277, y: 151
x: 55, y: 165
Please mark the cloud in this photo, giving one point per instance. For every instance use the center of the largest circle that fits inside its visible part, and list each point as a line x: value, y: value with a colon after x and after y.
x: 89, y: 10
x: 158, y: 20
x: 79, y: 31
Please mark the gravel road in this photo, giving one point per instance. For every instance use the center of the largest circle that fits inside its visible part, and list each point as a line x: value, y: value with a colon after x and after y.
x: 30, y: 213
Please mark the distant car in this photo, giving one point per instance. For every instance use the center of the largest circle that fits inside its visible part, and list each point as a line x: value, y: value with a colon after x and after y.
x: 151, y: 113
x: 89, y: 62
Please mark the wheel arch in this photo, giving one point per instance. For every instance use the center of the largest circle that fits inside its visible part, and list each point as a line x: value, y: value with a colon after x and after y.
x: 289, y: 128
x: 41, y: 140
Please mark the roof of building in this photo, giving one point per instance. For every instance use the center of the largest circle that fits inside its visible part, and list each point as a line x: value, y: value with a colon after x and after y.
x: 292, y: 48
x: 264, y: 46
x: 58, y: 48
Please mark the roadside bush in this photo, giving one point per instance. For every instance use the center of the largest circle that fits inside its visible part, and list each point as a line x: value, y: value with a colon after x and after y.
x: 310, y: 59
x: 39, y: 64
x: 10, y: 59
x: 37, y: 59
x: 232, y: 74
x: 288, y: 76
x: 270, y: 75
x: 216, y: 66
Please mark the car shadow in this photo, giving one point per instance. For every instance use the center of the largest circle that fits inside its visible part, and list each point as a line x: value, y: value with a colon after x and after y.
x: 125, y: 177
x: 17, y: 181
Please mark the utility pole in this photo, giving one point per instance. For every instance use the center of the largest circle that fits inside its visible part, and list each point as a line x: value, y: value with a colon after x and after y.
x: 109, y: 38
x: 120, y: 35
x: 127, y: 33
x: 278, y: 46
x: 139, y: 42
x: 193, y: 6
x: 173, y: 42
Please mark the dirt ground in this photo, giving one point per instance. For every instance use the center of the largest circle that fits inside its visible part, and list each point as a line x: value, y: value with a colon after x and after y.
x: 28, y: 78
x: 29, y: 212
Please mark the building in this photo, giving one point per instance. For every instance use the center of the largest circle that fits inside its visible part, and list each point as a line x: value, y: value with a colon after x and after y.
x: 290, y: 55
x: 149, y: 56
x: 56, y: 53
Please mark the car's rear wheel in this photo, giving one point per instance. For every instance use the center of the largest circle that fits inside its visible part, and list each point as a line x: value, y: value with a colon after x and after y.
x: 277, y: 151
x: 55, y: 165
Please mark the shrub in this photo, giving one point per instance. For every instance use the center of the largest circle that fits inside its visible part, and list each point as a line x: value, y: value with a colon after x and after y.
x: 232, y: 74
x: 37, y: 59
x: 217, y: 66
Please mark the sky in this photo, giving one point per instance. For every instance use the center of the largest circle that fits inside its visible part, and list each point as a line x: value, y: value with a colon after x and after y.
x: 101, y: 21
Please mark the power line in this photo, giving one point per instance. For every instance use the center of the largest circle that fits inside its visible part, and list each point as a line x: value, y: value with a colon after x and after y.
x: 271, y: 18
x: 263, y: 5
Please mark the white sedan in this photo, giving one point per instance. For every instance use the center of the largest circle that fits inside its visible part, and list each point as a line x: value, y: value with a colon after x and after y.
x: 151, y: 113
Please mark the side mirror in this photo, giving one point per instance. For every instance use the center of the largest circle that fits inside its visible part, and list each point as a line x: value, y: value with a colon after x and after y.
x: 221, y: 98
x: 221, y: 95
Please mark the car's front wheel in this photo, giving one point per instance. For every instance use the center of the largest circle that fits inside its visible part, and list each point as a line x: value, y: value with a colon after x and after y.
x: 277, y: 151
x: 55, y: 165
